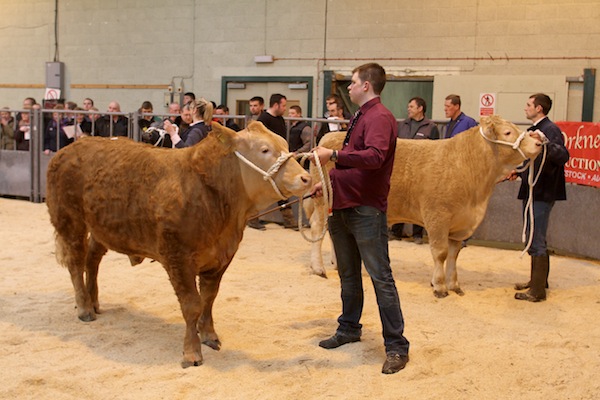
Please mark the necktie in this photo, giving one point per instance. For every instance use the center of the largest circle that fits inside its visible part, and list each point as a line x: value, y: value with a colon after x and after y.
x: 357, y: 115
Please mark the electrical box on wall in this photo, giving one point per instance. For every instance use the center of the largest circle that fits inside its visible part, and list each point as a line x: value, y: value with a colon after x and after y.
x: 55, y: 73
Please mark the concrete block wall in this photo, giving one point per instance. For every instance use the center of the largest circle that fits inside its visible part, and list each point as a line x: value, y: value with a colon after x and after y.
x: 193, y: 43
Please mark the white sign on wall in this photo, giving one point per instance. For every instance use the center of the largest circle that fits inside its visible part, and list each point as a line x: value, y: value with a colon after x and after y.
x: 487, y: 104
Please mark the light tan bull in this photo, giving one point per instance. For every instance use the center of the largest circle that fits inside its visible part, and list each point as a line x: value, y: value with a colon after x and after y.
x: 443, y: 185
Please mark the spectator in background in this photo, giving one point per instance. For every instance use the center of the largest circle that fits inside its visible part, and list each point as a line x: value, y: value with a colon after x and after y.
x: 28, y: 103
x: 189, y: 97
x: 88, y: 104
x: 300, y: 132
x: 23, y: 131
x: 55, y: 137
x: 272, y: 118
x: 83, y: 127
x: 202, y: 113
x: 415, y: 126
x: 257, y: 106
x: 459, y: 121
x: 222, y: 109
x: 145, y: 121
x: 112, y: 125
x: 7, y: 132
x: 335, y: 110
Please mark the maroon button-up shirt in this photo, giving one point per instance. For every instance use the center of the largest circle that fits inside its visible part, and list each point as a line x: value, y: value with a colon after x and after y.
x: 364, y: 166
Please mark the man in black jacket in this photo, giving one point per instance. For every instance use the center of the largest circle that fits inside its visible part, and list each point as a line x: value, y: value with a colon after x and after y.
x: 550, y: 187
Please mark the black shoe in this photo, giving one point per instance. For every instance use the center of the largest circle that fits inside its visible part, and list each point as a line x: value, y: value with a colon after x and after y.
x: 394, y: 362
x: 529, y: 297
x: 337, y: 340
x: 393, y: 236
x: 256, y: 224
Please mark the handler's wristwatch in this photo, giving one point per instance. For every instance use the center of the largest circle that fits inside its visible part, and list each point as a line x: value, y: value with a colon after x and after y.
x: 334, y: 156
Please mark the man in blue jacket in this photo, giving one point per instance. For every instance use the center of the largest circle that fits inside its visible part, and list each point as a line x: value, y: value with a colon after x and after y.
x: 459, y: 121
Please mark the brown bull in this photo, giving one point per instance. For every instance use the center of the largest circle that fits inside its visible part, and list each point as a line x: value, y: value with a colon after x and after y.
x: 186, y: 208
x: 443, y: 185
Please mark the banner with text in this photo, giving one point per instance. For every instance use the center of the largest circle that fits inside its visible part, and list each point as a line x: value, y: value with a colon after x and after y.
x: 583, y: 141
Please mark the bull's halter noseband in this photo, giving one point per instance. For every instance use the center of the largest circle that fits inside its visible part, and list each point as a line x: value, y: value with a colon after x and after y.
x: 516, y: 145
x: 268, y: 175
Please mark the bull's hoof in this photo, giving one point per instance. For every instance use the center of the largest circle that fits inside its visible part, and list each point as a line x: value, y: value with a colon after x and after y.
x: 440, y: 295
x: 213, y: 344
x: 458, y: 291
x: 87, y: 317
x: 186, y: 364
x: 322, y: 274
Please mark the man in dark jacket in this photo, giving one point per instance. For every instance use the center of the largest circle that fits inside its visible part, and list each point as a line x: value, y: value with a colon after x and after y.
x: 416, y: 126
x: 112, y: 125
x: 550, y: 187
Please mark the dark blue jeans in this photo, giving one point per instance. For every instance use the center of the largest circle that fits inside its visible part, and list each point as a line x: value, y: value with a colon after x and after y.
x: 541, y: 217
x: 359, y: 234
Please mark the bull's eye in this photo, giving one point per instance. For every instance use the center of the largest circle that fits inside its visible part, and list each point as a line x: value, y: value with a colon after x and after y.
x: 265, y: 150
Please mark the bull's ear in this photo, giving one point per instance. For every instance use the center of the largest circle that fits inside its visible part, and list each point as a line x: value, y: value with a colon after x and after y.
x: 487, y: 126
x: 226, y: 136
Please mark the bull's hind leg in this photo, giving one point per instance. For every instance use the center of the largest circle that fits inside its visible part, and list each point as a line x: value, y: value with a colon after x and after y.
x: 71, y: 249
x: 209, y: 283
x: 94, y: 255
x: 454, y: 247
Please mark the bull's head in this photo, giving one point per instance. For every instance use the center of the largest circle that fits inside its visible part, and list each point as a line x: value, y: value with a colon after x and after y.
x: 269, y: 172
x: 497, y: 130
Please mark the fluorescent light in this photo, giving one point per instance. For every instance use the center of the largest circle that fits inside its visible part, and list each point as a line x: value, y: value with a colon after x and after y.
x: 296, y: 86
x: 236, y: 85
x: 263, y: 59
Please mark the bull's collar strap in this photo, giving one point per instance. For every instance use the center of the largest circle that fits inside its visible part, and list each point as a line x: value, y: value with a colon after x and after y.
x: 268, y: 175
x: 516, y: 145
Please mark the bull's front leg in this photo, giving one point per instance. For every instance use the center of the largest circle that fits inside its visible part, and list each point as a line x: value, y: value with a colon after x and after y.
x: 183, y: 279
x: 209, y: 282
x: 454, y: 247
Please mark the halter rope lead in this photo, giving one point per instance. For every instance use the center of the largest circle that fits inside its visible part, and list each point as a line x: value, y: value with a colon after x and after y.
x: 528, y: 211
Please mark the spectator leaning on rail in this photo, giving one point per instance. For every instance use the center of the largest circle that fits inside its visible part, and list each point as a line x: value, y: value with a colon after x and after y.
x: 415, y: 126
x: 7, y: 132
x: 55, y: 137
x: 202, y: 113
x: 550, y: 187
x: 118, y: 123
x: 459, y: 121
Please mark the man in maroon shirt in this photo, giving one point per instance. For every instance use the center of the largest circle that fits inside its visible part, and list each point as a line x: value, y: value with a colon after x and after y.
x: 358, y: 226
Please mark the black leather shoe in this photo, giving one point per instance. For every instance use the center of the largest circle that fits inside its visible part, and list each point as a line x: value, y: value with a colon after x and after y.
x: 256, y: 224
x: 529, y: 297
x: 337, y: 340
x: 394, y: 362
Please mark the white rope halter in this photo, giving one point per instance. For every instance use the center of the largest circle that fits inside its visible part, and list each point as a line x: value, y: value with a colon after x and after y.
x: 528, y: 210
x: 161, y: 133
x: 516, y: 145
x: 268, y: 175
